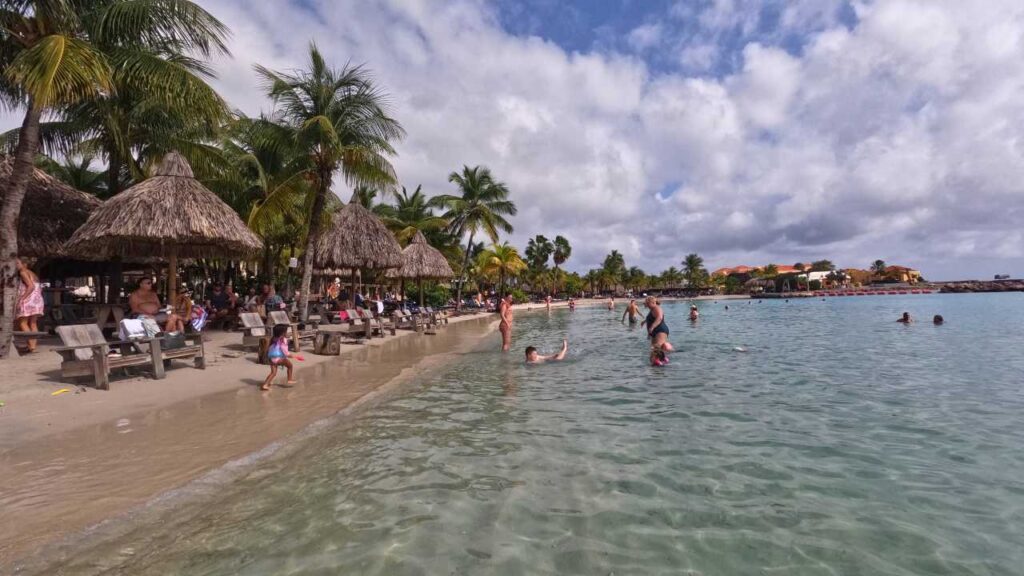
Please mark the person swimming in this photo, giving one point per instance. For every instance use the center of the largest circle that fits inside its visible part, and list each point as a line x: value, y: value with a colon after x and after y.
x: 532, y: 357
x: 694, y: 313
x: 905, y: 319
x: 632, y: 311
x: 938, y: 319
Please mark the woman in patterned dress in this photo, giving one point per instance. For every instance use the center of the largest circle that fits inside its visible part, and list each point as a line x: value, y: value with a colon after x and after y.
x: 30, y: 303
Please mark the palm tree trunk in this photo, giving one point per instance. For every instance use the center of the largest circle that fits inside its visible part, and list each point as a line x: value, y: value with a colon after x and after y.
x: 113, y: 174
x: 13, y: 195
x: 268, y: 266
x: 311, y: 237
x: 465, y: 267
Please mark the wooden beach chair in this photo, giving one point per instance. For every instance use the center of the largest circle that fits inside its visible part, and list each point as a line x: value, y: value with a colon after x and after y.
x: 87, y: 353
x: 406, y: 321
x: 276, y: 317
x: 253, y: 329
x: 362, y: 324
x: 145, y: 336
x: 377, y: 322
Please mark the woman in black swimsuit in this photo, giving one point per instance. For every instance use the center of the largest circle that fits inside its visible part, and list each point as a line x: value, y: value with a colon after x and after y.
x: 657, y: 330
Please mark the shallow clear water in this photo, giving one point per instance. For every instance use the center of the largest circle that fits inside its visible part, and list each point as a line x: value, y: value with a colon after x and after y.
x: 840, y: 442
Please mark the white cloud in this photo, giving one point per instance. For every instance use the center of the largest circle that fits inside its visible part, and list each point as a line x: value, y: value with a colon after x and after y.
x: 645, y: 36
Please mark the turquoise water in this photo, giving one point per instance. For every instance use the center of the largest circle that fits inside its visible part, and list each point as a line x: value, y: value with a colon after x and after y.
x: 840, y: 442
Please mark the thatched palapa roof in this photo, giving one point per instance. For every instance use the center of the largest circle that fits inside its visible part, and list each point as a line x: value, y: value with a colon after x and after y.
x: 357, y: 239
x: 422, y: 261
x: 50, y: 214
x: 170, y: 212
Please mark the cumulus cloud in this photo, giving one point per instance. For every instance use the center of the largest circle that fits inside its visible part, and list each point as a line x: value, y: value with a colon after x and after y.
x: 784, y: 131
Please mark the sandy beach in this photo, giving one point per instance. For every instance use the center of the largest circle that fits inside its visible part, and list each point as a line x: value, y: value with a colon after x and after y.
x: 72, y: 460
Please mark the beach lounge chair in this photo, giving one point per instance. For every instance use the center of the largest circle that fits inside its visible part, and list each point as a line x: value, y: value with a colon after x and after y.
x: 87, y: 353
x: 377, y: 322
x: 387, y: 323
x: 145, y: 336
x: 253, y: 329
x: 362, y: 324
x: 370, y: 324
x: 406, y: 321
x: 437, y: 317
x: 276, y: 317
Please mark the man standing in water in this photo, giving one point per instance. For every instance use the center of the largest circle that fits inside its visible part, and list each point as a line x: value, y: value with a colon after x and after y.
x: 611, y: 303
x: 632, y: 311
x: 505, y: 325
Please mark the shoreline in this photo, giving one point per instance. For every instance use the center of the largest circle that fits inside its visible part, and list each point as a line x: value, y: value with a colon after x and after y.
x: 70, y: 480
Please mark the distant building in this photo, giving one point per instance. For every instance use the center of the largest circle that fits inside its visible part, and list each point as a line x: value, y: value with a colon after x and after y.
x: 902, y: 274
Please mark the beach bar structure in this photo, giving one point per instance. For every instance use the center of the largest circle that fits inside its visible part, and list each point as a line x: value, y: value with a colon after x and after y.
x: 169, y: 215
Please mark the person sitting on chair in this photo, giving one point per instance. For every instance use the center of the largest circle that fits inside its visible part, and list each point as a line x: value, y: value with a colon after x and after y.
x: 144, y: 303
x: 220, y: 304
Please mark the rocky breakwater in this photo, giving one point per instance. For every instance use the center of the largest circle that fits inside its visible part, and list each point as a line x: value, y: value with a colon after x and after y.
x: 984, y: 286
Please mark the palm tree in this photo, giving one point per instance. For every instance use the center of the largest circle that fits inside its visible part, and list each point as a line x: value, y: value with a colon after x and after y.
x: 415, y: 213
x: 339, y: 119
x: 61, y: 54
x: 77, y: 173
x: 562, y: 251
x: 482, y: 205
x: 822, y: 266
x: 693, y: 267
x: 501, y: 261
x: 265, y: 178
x: 538, y: 251
x: 46, y: 65
x: 672, y: 277
x: 635, y: 278
x: 614, y: 268
x: 878, y: 267
x: 592, y: 278
x: 159, y: 101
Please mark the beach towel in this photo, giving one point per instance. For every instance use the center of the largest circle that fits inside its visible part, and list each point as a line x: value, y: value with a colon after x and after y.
x: 199, y: 317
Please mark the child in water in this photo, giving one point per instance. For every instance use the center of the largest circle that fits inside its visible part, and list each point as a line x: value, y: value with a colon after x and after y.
x: 279, y: 355
x: 658, y: 357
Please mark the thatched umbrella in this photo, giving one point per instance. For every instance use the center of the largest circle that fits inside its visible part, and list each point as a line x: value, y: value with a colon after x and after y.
x: 51, y: 213
x: 357, y: 239
x: 169, y: 215
x: 421, y: 261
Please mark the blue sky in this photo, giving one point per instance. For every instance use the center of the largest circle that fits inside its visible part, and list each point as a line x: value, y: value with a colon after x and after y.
x: 606, y: 25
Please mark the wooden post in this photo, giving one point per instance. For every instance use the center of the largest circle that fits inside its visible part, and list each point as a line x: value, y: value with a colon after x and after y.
x: 100, y: 366
x: 420, y: 283
x: 157, y: 357
x: 172, y: 276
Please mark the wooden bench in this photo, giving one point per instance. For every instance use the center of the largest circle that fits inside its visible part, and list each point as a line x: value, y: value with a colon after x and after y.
x: 253, y: 329
x: 86, y: 353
